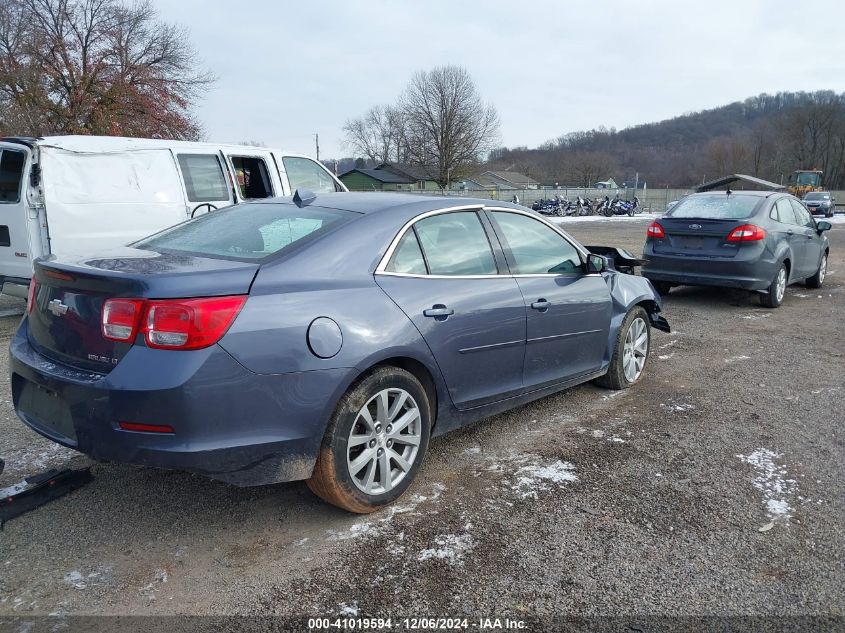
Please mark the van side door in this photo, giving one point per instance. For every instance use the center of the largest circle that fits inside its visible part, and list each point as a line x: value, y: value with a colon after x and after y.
x: 304, y: 173
x: 20, y: 226
x: 206, y: 181
x: 254, y: 173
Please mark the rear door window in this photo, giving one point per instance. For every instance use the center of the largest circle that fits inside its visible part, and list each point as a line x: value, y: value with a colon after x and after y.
x: 716, y: 207
x: 785, y: 212
x: 11, y: 174
x: 802, y: 215
x: 456, y: 244
x: 306, y: 174
x: 204, y: 178
x: 408, y: 257
x: 252, y: 177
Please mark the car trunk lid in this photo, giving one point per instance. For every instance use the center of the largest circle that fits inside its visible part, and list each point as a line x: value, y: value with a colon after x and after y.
x: 65, y: 322
x: 697, y: 237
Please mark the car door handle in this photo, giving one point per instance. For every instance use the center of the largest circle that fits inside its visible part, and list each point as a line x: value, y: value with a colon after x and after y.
x: 438, y: 310
x: 541, y: 304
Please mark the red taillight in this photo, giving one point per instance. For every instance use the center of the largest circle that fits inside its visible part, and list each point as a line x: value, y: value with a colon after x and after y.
x: 120, y: 319
x: 30, y: 298
x: 746, y: 233
x: 655, y: 230
x: 171, y: 323
x: 146, y: 428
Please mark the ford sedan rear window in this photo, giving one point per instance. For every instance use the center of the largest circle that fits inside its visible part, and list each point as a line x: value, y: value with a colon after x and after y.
x: 721, y: 207
x: 246, y: 231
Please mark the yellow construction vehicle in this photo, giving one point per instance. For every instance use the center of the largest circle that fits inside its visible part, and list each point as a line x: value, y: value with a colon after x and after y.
x: 804, y: 180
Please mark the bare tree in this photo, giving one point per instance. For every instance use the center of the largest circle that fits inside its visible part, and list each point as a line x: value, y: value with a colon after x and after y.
x: 587, y: 167
x: 96, y: 67
x: 447, y: 124
x: 378, y: 134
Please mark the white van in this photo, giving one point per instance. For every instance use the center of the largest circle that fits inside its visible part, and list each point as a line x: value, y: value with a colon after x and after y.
x: 79, y: 194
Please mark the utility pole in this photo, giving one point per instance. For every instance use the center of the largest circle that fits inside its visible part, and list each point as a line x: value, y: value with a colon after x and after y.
x: 317, y: 142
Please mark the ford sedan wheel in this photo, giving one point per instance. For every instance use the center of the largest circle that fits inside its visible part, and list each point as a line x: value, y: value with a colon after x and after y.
x: 817, y: 280
x: 375, y: 442
x: 635, y: 350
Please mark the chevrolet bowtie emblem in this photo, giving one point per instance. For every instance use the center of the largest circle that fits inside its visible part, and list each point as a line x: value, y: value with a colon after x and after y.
x: 57, y: 307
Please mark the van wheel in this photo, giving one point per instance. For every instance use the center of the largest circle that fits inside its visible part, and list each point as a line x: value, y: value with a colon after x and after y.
x: 773, y: 297
x: 375, y: 442
x: 630, y: 352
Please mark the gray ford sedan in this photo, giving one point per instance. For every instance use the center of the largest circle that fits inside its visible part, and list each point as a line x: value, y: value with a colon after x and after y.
x: 321, y: 338
x: 760, y: 241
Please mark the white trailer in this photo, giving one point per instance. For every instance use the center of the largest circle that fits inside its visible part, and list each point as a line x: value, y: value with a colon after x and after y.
x: 80, y: 194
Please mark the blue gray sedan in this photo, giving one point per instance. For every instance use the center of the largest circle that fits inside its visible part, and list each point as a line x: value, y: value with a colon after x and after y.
x: 321, y: 338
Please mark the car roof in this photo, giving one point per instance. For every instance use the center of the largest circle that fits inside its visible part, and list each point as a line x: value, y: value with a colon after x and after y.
x: 741, y: 192
x: 405, y: 205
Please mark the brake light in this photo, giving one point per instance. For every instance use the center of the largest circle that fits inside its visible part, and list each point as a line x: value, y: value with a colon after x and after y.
x: 655, y: 230
x: 146, y: 428
x: 120, y: 319
x: 746, y: 233
x: 30, y: 297
x: 171, y: 323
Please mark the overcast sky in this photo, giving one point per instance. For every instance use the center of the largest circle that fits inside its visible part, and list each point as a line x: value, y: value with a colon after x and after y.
x: 290, y: 69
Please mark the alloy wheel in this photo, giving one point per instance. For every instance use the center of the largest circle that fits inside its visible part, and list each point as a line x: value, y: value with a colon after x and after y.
x: 780, y: 286
x: 635, y: 351
x: 384, y: 441
x: 822, y: 269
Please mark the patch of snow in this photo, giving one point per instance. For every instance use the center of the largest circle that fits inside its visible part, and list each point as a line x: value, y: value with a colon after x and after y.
x: 348, y: 609
x: 752, y: 317
x: 532, y: 479
x: 666, y: 356
x: 771, y: 480
x: 639, y: 217
x: 76, y: 579
x: 678, y: 407
x: 736, y: 359
x: 472, y: 450
x: 614, y: 438
x: 449, y: 547
x: 598, y: 433
x: 13, y: 489
x: 669, y: 344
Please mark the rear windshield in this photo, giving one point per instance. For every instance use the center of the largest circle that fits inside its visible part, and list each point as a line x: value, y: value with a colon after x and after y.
x: 722, y: 207
x: 817, y: 196
x: 246, y: 231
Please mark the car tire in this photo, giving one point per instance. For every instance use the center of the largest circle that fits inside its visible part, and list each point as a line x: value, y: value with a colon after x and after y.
x: 627, y: 350
x: 662, y: 287
x: 817, y: 280
x: 776, y: 291
x: 366, y: 413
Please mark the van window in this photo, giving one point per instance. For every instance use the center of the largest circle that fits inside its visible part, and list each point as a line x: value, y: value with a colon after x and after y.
x: 253, y: 179
x: 11, y: 174
x: 304, y: 173
x: 204, y: 179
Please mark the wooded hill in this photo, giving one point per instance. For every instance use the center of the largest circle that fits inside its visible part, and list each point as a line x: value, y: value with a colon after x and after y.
x: 768, y: 136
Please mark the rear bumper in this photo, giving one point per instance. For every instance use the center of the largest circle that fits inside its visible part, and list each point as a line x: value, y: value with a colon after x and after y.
x: 229, y: 423
x: 756, y: 274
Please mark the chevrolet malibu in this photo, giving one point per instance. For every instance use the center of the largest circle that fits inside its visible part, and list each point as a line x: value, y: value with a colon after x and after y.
x: 753, y: 240
x: 324, y: 339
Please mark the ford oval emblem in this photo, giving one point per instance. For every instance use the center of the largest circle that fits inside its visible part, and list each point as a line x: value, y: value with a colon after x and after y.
x: 695, y: 226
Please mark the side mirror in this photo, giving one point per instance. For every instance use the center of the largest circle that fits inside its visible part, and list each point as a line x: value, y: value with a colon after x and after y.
x: 821, y: 227
x: 596, y: 263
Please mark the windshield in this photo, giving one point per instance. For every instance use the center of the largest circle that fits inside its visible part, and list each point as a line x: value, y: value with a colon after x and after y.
x: 715, y: 207
x: 246, y: 231
x: 808, y: 178
x: 817, y: 196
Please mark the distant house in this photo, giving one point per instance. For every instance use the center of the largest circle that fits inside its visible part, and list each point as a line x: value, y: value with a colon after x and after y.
x: 423, y: 177
x: 387, y: 177
x: 610, y: 183
x: 499, y: 180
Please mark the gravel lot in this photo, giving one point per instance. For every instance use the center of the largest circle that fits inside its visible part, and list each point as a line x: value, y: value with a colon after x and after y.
x: 713, y: 487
